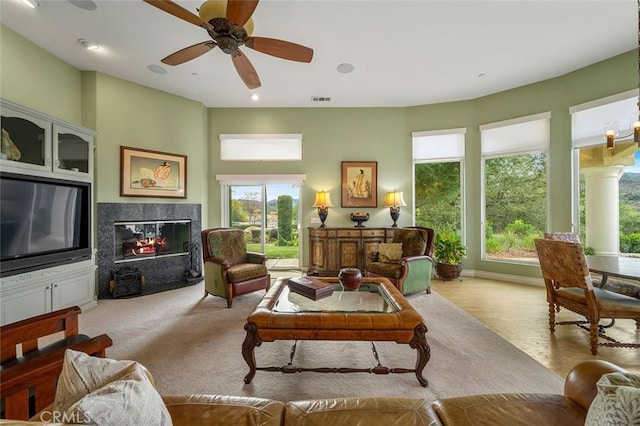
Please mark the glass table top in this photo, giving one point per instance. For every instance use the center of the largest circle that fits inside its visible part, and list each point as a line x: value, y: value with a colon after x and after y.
x: 369, y: 298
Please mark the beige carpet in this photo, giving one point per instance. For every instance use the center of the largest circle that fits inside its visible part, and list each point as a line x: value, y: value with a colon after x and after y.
x: 193, y: 344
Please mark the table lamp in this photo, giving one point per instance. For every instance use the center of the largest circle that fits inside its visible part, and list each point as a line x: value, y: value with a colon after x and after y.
x: 394, y: 200
x: 323, y: 202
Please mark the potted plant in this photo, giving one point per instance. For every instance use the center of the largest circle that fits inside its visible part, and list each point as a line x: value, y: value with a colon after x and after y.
x: 448, y: 254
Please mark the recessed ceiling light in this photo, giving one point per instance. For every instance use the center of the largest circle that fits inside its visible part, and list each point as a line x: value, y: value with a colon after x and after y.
x: 157, y: 69
x: 84, y: 4
x: 255, y: 97
x: 31, y: 3
x: 88, y: 45
x: 481, y: 74
x: 345, y: 68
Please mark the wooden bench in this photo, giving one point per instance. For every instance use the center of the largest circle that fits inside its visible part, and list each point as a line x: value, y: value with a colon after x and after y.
x: 28, y: 381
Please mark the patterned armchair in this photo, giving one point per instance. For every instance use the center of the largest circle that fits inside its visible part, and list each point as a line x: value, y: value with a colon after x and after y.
x: 406, y: 261
x: 229, y: 270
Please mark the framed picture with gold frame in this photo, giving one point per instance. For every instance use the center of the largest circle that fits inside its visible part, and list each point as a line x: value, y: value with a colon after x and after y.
x: 147, y: 173
x: 359, y: 184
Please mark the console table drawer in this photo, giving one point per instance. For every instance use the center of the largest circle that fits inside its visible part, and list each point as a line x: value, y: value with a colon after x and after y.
x: 369, y: 233
x: 349, y: 233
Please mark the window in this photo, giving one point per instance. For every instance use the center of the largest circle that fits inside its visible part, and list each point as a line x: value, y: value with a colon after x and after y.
x: 606, y: 210
x: 265, y: 207
x: 514, y: 170
x: 437, y: 175
x: 259, y: 147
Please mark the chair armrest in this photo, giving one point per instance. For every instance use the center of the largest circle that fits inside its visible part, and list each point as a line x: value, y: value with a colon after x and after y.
x: 209, y: 409
x: 258, y: 258
x: 417, y: 258
x: 580, y: 384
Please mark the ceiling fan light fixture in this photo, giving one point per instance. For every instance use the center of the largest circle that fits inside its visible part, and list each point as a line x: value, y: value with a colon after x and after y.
x: 213, y: 9
x: 30, y: 3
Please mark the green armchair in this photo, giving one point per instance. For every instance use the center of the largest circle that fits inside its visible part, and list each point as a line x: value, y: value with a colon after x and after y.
x: 406, y: 261
x: 229, y: 270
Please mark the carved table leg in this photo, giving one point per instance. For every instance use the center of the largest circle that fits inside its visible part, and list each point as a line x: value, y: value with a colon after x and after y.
x: 250, y: 342
x: 419, y: 342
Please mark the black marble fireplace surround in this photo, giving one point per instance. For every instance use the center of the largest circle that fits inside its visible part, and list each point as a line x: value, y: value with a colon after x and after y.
x: 161, y: 273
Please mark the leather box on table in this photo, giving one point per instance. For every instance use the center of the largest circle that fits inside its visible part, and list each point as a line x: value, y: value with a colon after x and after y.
x: 313, y: 288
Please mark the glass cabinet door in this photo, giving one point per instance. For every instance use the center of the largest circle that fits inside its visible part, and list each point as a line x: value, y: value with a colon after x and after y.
x: 72, y: 151
x: 26, y: 140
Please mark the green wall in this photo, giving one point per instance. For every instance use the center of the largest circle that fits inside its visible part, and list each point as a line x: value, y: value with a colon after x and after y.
x: 125, y: 113
x: 33, y: 77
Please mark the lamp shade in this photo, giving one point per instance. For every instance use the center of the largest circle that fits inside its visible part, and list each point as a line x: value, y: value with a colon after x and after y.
x: 323, y: 199
x: 394, y: 199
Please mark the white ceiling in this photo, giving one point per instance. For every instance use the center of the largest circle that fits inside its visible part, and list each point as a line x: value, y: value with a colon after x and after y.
x: 404, y: 52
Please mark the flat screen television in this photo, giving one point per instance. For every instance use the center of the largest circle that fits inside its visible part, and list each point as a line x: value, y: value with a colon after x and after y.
x: 44, y: 222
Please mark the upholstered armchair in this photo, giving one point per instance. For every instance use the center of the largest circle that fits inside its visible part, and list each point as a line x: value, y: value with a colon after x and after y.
x: 229, y: 270
x: 406, y: 261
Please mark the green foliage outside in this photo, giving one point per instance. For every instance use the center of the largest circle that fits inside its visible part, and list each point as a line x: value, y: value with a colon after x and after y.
x: 437, y: 194
x: 274, y: 251
x: 285, y: 220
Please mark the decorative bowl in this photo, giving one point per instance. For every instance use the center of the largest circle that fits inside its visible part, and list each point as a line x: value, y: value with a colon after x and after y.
x: 350, y: 278
x: 359, y: 218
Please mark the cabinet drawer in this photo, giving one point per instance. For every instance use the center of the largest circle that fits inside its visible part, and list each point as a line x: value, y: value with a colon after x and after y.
x: 373, y: 233
x: 349, y: 233
x: 317, y: 232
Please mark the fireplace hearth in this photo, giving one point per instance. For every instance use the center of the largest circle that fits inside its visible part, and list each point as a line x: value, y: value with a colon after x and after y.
x: 161, y: 241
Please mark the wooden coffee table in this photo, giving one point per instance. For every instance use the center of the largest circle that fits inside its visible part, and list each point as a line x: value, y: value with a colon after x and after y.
x: 376, y: 312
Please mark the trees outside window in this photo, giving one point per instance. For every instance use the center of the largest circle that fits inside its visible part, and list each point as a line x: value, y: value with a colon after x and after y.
x: 515, y: 205
x: 438, y: 196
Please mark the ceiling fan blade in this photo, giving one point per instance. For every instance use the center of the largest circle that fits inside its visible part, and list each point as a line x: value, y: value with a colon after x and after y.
x: 189, y: 53
x: 239, y: 11
x: 280, y: 48
x: 179, y: 12
x: 246, y: 71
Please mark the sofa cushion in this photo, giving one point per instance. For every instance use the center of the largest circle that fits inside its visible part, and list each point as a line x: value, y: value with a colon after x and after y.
x: 617, y: 401
x: 107, y: 392
x: 385, y: 269
x: 358, y: 411
x: 388, y: 252
x: 245, y: 271
x: 414, y: 241
x: 514, y: 409
x: 227, y: 244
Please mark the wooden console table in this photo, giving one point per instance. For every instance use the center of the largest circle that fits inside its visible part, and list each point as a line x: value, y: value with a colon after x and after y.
x: 331, y: 249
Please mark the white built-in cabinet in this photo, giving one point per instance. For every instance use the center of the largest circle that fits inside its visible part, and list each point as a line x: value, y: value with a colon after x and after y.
x: 56, y: 149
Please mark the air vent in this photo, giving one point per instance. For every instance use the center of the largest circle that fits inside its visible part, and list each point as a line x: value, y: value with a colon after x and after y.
x: 320, y: 99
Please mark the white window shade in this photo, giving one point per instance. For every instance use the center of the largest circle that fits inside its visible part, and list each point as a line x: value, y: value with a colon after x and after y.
x: 438, y: 144
x: 525, y: 134
x: 261, y: 147
x: 588, y: 120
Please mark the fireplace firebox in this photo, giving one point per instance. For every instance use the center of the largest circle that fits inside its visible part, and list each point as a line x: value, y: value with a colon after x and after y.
x: 151, y: 239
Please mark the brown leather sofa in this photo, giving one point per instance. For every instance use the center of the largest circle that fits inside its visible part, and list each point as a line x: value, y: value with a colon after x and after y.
x: 495, y: 409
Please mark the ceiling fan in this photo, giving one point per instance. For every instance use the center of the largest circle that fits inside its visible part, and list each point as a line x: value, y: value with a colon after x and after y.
x: 230, y: 25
